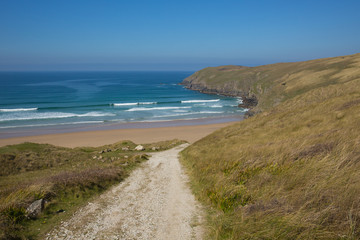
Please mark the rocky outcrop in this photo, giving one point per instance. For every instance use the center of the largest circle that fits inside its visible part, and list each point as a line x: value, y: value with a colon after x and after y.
x: 197, y: 82
x: 35, y: 208
x: 200, y: 82
x: 203, y: 88
x: 139, y: 148
x: 248, y: 102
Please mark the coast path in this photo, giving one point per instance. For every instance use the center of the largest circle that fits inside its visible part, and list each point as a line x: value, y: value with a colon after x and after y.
x: 154, y: 202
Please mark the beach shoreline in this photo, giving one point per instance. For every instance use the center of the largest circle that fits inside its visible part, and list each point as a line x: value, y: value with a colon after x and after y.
x: 138, y: 132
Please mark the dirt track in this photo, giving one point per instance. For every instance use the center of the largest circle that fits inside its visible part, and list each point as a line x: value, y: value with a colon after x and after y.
x: 154, y: 202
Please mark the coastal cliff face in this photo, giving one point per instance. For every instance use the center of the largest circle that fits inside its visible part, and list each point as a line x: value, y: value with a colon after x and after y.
x: 208, y: 81
x: 264, y: 87
x: 233, y: 81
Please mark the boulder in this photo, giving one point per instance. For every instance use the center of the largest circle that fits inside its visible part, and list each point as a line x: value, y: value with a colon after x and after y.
x: 139, y: 148
x: 125, y: 149
x: 35, y: 208
x: 248, y: 102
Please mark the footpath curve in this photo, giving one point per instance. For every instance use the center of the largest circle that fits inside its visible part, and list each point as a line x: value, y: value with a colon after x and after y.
x: 154, y: 202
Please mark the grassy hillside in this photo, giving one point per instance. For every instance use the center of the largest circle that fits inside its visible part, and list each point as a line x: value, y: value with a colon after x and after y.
x: 275, y: 83
x: 292, y: 171
x: 65, y: 178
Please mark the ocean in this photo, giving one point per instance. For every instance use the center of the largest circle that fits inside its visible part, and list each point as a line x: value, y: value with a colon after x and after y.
x: 34, y: 101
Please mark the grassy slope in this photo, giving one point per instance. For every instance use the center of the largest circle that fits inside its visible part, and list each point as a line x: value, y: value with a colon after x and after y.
x: 292, y: 171
x: 274, y: 83
x: 65, y: 177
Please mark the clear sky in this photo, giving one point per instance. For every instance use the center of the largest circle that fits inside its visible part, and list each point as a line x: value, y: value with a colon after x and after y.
x: 172, y: 35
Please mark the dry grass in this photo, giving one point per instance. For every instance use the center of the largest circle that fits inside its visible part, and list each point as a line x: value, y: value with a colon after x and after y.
x: 291, y: 172
x: 275, y: 83
x: 66, y: 178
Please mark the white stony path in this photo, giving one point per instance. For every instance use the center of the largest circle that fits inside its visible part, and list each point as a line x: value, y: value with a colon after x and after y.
x: 154, y: 202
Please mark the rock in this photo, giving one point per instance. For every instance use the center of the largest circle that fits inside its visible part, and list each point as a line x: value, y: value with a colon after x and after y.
x: 126, y: 157
x: 249, y: 113
x: 108, y: 150
x: 102, y: 151
x: 139, y: 148
x: 125, y: 149
x: 35, y: 208
x: 144, y: 156
x: 155, y: 148
x: 248, y: 102
x: 340, y: 115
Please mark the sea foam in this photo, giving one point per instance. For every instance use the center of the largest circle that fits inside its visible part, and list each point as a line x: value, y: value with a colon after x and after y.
x: 216, y: 106
x: 210, y: 112
x: 155, y: 108
x: 132, y: 104
x: 200, y: 101
x: 51, y: 115
x: 18, y: 109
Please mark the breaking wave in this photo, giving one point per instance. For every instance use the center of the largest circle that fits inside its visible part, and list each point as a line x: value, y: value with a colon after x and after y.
x: 132, y: 104
x: 17, y: 109
x: 51, y: 115
x: 200, y: 101
x: 155, y: 108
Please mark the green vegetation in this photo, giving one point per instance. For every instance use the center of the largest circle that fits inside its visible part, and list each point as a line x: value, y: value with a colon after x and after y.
x: 65, y: 178
x: 275, y: 83
x: 292, y: 171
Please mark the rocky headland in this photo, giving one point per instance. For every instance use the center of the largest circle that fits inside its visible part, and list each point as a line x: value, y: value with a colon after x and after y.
x: 266, y: 86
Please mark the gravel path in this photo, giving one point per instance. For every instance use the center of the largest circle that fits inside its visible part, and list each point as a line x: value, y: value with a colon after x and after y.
x: 154, y: 202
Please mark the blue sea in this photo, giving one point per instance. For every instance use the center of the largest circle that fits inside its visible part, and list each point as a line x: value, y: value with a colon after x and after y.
x: 71, y: 100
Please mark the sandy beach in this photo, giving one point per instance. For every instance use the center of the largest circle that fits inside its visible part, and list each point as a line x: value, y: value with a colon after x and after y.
x: 189, y: 133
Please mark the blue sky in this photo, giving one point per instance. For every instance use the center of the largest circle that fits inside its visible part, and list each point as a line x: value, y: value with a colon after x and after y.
x: 172, y: 35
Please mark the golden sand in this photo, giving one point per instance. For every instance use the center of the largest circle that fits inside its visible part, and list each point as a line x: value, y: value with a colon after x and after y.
x: 103, y: 137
